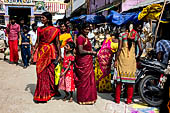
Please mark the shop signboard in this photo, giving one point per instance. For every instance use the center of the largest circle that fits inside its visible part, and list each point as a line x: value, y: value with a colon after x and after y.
x: 127, y: 4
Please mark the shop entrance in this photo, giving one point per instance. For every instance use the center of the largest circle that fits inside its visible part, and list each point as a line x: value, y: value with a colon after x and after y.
x: 21, y: 13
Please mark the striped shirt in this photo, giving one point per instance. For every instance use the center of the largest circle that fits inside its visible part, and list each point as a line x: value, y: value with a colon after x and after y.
x: 14, y: 30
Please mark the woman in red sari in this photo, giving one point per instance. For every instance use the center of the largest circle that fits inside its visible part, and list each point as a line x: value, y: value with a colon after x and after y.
x: 48, y: 49
x: 86, y: 86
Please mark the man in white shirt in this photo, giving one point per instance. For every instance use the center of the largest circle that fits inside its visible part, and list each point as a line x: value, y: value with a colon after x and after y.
x: 33, y: 34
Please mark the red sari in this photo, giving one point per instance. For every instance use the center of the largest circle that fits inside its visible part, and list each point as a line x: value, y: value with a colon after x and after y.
x: 67, y: 81
x: 45, y: 88
x: 86, y: 86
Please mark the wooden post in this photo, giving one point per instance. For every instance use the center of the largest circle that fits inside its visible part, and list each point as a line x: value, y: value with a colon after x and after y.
x: 151, y: 25
x: 71, y: 6
x: 88, y: 6
x: 156, y: 32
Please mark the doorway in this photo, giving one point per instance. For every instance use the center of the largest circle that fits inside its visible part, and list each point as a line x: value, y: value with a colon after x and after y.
x: 20, y: 13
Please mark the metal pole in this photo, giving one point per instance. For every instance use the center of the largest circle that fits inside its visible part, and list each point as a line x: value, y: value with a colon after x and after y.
x: 159, y: 23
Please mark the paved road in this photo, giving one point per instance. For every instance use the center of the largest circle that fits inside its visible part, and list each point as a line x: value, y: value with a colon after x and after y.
x: 17, y: 87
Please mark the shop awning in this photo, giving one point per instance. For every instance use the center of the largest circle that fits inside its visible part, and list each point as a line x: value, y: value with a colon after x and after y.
x: 121, y: 18
x: 94, y: 19
x: 146, y: 3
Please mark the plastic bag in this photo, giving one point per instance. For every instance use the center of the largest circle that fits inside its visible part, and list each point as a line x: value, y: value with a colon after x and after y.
x: 57, y: 73
x: 7, y: 51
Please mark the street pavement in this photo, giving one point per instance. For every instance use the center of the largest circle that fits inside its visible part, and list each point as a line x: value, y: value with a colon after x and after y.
x: 17, y: 86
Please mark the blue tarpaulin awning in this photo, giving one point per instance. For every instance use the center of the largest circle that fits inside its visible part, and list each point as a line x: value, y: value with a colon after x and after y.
x: 74, y: 19
x: 94, y: 19
x: 121, y: 18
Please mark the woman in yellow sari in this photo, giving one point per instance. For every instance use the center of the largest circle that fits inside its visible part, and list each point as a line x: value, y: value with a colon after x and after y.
x: 64, y: 36
x: 103, y: 64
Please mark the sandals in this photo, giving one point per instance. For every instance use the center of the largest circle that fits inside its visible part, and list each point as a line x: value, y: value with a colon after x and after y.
x: 70, y: 100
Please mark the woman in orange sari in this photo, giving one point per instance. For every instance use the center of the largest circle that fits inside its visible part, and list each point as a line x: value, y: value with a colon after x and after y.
x: 48, y: 49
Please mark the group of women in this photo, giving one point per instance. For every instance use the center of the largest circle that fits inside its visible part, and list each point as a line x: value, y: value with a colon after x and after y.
x: 49, y: 48
x: 124, y: 46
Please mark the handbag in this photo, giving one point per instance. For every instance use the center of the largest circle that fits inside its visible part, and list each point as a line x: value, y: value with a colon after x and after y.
x: 57, y: 73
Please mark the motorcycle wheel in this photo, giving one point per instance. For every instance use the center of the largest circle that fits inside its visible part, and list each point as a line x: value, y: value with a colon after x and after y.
x: 149, y: 92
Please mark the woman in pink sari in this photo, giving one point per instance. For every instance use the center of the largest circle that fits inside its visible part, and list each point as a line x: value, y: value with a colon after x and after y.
x: 86, y: 86
x: 48, y: 49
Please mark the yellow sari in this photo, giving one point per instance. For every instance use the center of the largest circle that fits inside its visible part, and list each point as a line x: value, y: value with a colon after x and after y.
x: 64, y: 38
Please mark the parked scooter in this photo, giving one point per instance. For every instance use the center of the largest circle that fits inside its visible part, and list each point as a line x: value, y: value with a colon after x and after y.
x: 151, y: 79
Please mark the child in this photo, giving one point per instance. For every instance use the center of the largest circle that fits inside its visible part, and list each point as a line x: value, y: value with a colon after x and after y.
x: 67, y: 81
x: 33, y: 34
x: 25, y: 43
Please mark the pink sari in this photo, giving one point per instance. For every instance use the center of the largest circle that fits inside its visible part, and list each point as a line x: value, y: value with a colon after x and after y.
x: 105, y: 56
x: 45, y: 88
x: 86, y: 86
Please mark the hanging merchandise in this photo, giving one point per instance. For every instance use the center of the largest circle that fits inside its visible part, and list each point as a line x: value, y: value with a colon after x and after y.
x: 150, y: 12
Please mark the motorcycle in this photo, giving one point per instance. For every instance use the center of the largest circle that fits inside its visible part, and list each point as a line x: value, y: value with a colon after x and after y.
x: 150, y: 80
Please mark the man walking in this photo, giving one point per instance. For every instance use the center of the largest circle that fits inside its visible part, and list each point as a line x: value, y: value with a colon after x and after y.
x: 13, y: 31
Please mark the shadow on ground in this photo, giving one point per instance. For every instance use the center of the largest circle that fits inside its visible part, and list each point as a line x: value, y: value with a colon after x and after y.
x: 63, y: 94
x: 106, y: 96
x: 31, y: 88
x: 19, y: 62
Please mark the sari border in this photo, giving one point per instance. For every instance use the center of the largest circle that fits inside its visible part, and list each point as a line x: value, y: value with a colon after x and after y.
x: 46, y: 28
x: 54, y: 34
x: 37, y: 98
x: 87, y: 103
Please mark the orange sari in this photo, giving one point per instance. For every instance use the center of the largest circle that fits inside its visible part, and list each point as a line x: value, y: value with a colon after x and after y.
x: 45, y: 88
x: 46, y: 49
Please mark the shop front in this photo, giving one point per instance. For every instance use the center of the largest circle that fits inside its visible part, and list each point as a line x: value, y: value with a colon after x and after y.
x: 27, y: 9
x: 19, y: 9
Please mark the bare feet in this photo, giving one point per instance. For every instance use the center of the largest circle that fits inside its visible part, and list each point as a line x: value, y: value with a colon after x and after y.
x: 71, y: 99
x: 65, y: 98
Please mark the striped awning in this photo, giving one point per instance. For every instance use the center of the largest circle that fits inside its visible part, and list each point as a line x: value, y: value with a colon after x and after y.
x: 55, y: 6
